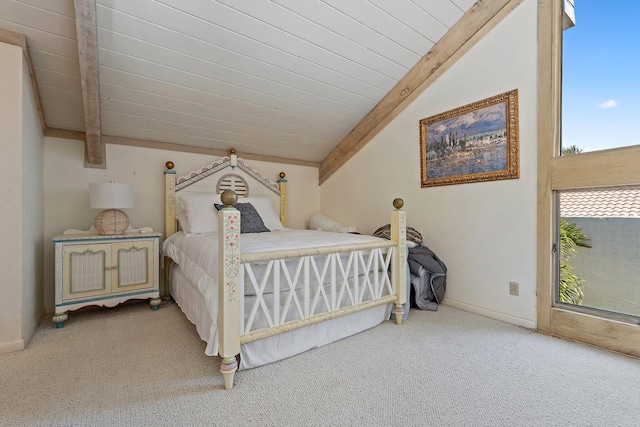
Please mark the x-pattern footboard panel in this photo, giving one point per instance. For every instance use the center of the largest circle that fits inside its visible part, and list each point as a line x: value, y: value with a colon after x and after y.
x: 305, y: 286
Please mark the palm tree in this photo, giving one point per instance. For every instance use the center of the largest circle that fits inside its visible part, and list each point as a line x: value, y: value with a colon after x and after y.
x: 571, y: 237
x: 572, y: 149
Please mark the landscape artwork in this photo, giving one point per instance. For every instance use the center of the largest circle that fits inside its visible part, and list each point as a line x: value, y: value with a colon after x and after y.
x: 473, y: 143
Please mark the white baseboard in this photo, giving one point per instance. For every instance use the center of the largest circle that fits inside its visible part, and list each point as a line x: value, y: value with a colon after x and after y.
x: 527, y: 323
x: 9, y: 347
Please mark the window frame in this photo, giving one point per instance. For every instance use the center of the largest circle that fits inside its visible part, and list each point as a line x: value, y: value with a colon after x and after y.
x: 599, y: 169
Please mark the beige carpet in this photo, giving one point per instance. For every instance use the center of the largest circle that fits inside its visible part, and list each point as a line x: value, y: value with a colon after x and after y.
x: 132, y: 366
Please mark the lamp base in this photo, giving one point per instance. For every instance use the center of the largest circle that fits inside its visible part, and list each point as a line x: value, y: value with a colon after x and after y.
x: 111, y: 221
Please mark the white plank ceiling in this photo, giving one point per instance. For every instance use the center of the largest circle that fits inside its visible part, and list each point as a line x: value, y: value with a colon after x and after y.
x: 285, y: 78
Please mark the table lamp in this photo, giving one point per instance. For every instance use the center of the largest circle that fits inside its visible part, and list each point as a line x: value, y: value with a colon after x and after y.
x: 111, y: 196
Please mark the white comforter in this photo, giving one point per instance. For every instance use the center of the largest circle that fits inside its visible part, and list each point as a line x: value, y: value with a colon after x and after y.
x: 197, y: 254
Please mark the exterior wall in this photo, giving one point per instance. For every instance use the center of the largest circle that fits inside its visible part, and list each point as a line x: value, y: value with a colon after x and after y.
x: 66, y: 189
x: 32, y: 211
x: 484, y: 232
x: 610, y: 268
x: 11, y: 190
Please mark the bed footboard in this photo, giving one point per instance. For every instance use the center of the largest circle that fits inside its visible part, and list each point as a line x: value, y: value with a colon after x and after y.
x: 346, y: 279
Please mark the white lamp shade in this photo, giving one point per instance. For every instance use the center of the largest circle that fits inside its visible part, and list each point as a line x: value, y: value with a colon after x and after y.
x: 110, y: 195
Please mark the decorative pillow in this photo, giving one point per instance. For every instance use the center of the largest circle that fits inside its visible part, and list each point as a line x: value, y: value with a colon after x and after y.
x: 201, y: 215
x: 264, y: 206
x: 250, y: 221
x: 413, y: 235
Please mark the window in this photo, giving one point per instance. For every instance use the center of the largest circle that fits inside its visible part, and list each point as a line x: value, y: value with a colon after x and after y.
x: 600, y: 83
x: 600, y: 249
x: 606, y: 316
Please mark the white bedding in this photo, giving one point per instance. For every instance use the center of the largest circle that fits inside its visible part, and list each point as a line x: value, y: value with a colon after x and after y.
x: 196, y: 254
x: 278, y: 347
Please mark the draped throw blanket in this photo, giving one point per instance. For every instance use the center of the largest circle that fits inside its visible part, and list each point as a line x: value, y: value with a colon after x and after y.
x: 428, y: 277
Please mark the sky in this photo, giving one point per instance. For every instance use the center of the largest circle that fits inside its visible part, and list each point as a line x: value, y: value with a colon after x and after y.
x: 601, y: 76
x: 483, y: 120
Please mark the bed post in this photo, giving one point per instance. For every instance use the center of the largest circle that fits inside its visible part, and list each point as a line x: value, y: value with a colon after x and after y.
x: 282, y: 183
x: 229, y: 292
x: 169, y: 216
x: 399, y: 270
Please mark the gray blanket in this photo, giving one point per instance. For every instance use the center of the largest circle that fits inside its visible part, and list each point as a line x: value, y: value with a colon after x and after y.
x: 428, y: 277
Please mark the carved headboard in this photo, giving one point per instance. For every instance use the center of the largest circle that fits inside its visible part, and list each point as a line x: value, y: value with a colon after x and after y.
x: 228, y: 172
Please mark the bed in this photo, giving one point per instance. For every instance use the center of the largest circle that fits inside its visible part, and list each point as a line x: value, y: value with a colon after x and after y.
x: 257, y: 291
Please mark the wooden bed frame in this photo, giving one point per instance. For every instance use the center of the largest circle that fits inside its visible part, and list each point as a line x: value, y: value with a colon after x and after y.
x: 231, y: 325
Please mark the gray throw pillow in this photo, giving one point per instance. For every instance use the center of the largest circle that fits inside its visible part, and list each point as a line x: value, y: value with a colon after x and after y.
x: 250, y: 221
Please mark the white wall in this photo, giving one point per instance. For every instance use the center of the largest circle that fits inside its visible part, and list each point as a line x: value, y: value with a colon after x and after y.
x: 66, y: 189
x: 484, y: 232
x: 32, y: 211
x: 11, y: 191
x: 21, y: 305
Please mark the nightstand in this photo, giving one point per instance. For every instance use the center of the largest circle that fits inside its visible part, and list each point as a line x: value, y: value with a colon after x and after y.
x: 105, y: 270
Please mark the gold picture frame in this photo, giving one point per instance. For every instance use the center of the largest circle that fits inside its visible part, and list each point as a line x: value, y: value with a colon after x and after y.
x: 473, y: 143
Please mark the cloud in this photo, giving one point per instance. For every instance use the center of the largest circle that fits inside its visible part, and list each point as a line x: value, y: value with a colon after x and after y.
x: 607, y: 104
x: 439, y: 128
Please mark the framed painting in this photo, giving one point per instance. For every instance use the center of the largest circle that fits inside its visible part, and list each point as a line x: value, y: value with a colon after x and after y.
x: 473, y: 143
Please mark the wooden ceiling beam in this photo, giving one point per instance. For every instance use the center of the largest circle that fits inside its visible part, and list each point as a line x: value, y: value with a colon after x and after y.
x: 10, y: 37
x: 479, y: 20
x: 135, y: 142
x: 87, y: 33
x: 66, y: 133
x: 159, y: 145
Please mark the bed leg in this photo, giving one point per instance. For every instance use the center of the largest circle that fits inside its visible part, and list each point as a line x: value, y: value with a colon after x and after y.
x: 399, y: 312
x: 228, y: 367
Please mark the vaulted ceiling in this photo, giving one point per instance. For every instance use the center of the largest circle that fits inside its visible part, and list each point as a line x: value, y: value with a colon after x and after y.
x: 305, y: 82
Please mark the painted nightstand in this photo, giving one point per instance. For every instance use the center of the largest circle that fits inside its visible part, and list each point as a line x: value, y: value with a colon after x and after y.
x: 106, y: 270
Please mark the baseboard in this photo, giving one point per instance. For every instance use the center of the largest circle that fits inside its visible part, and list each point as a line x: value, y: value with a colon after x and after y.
x: 10, y: 347
x: 527, y: 323
x: 32, y: 327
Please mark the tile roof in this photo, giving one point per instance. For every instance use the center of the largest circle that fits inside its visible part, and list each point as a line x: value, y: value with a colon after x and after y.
x: 601, y: 203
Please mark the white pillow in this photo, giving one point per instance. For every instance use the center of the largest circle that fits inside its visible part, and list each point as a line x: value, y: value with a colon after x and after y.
x: 201, y: 214
x: 324, y: 223
x: 182, y: 222
x: 264, y: 206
